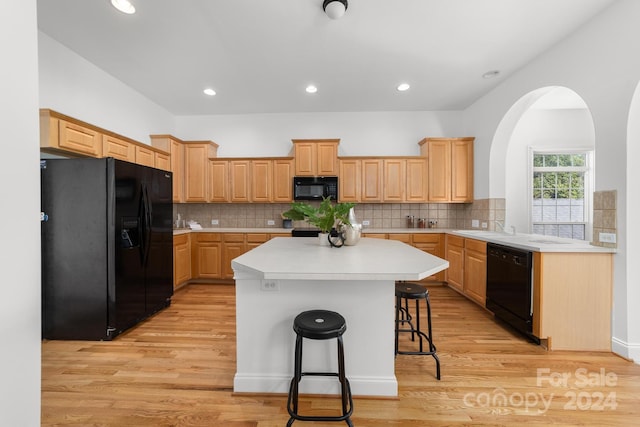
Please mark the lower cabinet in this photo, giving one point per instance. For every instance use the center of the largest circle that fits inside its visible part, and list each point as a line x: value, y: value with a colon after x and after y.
x: 181, y: 259
x: 467, y: 271
x: 434, y: 245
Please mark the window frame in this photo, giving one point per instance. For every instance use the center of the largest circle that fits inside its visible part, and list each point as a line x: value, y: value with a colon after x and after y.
x: 589, y: 182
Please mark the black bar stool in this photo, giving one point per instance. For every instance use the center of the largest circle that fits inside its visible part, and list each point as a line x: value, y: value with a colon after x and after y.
x: 319, y: 325
x: 404, y: 292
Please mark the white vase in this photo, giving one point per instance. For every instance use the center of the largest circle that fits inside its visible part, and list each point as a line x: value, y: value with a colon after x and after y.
x: 323, y: 239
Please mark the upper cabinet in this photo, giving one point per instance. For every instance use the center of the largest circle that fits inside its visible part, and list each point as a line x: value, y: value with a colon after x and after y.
x: 450, y: 169
x: 316, y: 157
x: 283, y: 174
x: 118, y: 148
x: 196, y: 169
x: 175, y: 148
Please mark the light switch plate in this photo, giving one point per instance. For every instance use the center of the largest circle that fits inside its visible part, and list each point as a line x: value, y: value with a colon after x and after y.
x: 271, y: 222
x: 214, y: 222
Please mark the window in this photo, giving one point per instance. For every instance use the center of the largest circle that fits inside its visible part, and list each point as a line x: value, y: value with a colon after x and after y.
x: 561, y: 194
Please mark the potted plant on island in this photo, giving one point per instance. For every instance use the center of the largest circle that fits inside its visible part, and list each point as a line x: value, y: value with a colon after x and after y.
x: 328, y: 217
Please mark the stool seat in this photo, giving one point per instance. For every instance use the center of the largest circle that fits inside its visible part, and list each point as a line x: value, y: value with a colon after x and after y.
x: 411, y: 290
x: 319, y: 324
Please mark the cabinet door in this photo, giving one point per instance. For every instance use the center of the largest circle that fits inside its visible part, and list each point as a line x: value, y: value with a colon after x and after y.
x: 416, y: 188
x: 462, y: 170
x: 395, y: 176
x: 209, y: 260
x: 350, y: 180
x: 219, y: 181
x: 261, y: 173
x: 181, y: 259
x: 327, y: 159
x: 162, y: 161
x: 79, y: 139
x: 233, y: 247
x: 239, y: 182
x: 305, y: 158
x: 196, y: 172
x: 177, y: 167
x: 145, y: 156
x: 118, y: 148
x: 455, y: 256
x: 434, y: 245
x: 475, y: 270
x: 401, y: 237
x: 282, y: 180
x: 439, y: 159
x: 371, y: 180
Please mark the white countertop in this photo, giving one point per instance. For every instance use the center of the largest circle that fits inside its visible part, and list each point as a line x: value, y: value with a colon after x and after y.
x: 371, y: 259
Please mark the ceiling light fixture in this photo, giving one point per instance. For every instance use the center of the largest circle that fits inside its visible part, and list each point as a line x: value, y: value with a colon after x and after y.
x: 209, y: 91
x: 490, y: 74
x: 334, y: 8
x: 124, y: 6
x: 403, y: 87
x: 311, y: 89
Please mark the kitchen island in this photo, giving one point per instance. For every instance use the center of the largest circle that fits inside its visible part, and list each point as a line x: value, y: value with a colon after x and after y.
x: 283, y: 277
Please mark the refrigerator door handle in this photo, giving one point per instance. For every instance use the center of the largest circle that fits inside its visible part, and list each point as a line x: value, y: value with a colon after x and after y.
x: 146, y: 224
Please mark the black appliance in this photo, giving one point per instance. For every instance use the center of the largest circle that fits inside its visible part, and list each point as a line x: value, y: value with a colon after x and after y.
x: 510, y: 287
x: 305, y: 232
x: 106, y: 246
x: 315, y: 187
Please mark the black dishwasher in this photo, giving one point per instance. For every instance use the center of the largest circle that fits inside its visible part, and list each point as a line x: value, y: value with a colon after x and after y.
x: 510, y: 286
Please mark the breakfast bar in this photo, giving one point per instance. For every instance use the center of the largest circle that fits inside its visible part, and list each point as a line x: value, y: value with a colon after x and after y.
x: 285, y: 276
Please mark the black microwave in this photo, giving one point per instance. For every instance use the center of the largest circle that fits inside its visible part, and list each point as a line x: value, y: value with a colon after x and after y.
x: 315, y: 187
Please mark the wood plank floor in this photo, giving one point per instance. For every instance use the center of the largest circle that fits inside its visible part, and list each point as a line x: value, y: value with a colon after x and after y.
x: 176, y: 369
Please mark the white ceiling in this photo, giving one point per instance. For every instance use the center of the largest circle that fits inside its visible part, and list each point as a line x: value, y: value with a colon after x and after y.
x: 260, y: 55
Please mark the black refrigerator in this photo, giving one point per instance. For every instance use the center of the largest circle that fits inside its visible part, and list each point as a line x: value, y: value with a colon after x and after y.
x: 107, y: 246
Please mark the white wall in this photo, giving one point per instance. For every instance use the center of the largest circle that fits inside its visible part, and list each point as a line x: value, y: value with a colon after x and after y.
x: 74, y: 86
x: 539, y: 129
x: 600, y: 63
x: 20, y: 230
x: 360, y: 134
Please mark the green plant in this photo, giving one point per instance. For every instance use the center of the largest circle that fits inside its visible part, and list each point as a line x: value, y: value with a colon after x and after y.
x: 325, y: 216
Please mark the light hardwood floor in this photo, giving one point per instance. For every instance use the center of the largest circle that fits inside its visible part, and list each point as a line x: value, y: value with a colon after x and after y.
x: 176, y: 369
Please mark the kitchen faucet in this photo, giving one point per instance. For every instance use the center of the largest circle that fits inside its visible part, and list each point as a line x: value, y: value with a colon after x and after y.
x: 501, y: 225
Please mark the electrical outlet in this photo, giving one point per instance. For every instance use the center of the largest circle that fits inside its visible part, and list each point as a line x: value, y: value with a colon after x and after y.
x: 269, y: 285
x: 214, y: 222
x: 475, y: 223
x: 483, y: 225
x: 607, y: 237
x: 365, y: 223
x: 271, y: 222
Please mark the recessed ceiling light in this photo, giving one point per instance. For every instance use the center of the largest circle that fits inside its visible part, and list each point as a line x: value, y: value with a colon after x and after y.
x: 490, y: 74
x: 311, y: 89
x: 209, y: 91
x: 403, y: 86
x: 124, y: 6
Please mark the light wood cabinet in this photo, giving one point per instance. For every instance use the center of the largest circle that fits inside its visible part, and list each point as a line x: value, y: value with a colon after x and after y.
x: 234, y: 246
x: 175, y: 148
x: 181, y: 259
x: 450, y: 169
x: 206, y: 256
x: 371, y: 180
x: 455, y: 256
x: 240, y: 180
x: 59, y: 133
x: 394, y: 180
x: 261, y: 181
x: 219, y: 181
x: 316, y: 157
x: 416, y: 182
x: 162, y: 161
x: 475, y: 270
x: 283, y: 174
x: 196, y: 169
x: 349, y: 182
x: 432, y: 243
x: 118, y: 148
x: 145, y: 156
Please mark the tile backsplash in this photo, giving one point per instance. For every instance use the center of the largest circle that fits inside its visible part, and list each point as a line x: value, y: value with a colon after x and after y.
x: 604, y: 216
x: 379, y: 215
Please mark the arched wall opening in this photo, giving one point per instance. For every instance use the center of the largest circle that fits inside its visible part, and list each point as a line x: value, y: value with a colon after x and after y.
x: 550, y: 118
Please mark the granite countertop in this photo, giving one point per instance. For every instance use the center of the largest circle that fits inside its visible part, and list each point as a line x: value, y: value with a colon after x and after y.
x: 370, y: 259
x: 529, y: 242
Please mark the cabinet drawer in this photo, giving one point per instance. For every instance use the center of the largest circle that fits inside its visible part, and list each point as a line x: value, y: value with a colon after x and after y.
x: 256, y: 237
x: 375, y: 235
x: 207, y: 237
x: 180, y: 239
x: 427, y: 238
x: 455, y: 241
x: 476, y: 245
x: 402, y: 237
x: 233, y: 237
